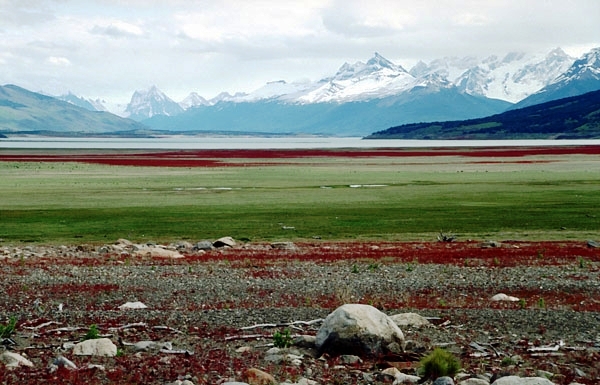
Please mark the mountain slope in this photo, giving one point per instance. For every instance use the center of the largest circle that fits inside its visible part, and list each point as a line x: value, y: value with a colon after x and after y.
x: 583, y: 76
x: 344, y: 119
x: 576, y: 117
x: 23, y: 111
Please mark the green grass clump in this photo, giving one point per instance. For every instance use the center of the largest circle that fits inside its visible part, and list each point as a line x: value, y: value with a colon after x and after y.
x: 282, y: 339
x: 92, y: 334
x: 439, y: 363
x: 9, y: 328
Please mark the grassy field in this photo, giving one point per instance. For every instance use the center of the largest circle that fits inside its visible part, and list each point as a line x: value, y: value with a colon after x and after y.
x: 413, y: 198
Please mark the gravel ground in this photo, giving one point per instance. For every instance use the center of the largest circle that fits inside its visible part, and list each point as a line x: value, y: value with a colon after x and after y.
x: 200, y: 302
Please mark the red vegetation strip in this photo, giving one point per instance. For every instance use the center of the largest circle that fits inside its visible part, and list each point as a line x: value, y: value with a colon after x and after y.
x: 218, y: 158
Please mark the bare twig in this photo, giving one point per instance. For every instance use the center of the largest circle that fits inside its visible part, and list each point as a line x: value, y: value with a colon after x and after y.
x: 278, y: 325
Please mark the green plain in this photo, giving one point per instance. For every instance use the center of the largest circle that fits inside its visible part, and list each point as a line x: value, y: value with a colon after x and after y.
x: 330, y: 199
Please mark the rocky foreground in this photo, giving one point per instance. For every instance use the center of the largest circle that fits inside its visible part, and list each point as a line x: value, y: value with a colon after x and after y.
x: 207, y: 313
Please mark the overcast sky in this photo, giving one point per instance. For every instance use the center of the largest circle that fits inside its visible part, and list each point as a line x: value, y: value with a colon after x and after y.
x: 110, y: 48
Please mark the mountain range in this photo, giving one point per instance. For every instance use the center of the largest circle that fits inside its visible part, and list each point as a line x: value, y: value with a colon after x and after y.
x: 359, y: 99
x: 575, y: 117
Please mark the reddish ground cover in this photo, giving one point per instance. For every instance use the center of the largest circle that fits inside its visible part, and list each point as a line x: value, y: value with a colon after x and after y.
x: 213, y: 158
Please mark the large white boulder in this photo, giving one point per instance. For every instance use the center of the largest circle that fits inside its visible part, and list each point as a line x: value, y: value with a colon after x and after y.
x: 359, y: 329
x: 96, y: 347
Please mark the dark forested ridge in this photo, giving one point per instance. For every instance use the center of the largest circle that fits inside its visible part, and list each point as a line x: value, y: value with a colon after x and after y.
x: 576, y: 117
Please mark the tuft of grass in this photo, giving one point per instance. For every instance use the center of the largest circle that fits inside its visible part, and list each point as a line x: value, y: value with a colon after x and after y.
x: 9, y: 328
x: 439, y: 363
x: 93, y: 333
x: 282, y: 339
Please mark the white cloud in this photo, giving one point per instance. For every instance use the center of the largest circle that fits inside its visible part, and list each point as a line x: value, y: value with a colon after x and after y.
x: 118, y: 29
x: 59, y: 61
x: 109, y: 48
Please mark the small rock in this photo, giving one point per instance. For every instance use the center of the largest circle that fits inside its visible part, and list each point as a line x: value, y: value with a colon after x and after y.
x: 490, y: 244
x: 305, y: 341
x: 64, y: 362
x: 244, y: 349
x: 402, y: 378
x: 283, y: 245
x: 97, y: 347
x: 504, y: 297
x: 515, y: 380
x: 258, y: 377
x: 349, y: 359
x: 13, y: 360
x: 204, y: 245
x: 410, y: 319
x: 593, y: 244
x: 443, y: 381
x: 158, y: 252
x: 544, y: 374
x: 224, y: 242
x: 152, y: 345
x: 132, y: 305
x: 474, y: 381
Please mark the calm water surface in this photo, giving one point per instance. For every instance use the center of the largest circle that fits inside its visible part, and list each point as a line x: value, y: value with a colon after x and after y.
x: 217, y: 143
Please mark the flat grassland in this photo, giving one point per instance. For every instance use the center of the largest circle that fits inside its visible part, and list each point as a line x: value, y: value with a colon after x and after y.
x: 79, y: 196
x: 364, y: 225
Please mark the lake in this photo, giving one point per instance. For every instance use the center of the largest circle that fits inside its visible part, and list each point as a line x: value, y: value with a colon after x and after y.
x: 252, y: 142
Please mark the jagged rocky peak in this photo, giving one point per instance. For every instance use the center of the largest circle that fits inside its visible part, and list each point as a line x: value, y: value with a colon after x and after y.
x: 193, y: 100
x: 145, y: 104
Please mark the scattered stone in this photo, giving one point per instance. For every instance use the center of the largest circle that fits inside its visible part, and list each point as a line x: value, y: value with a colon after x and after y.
x: 515, y: 380
x: 204, y: 246
x: 305, y: 341
x: 350, y: 359
x: 62, y: 361
x: 14, y: 360
x: 133, y: 305
x: 258, y: 377
x: 284, y: 245
x: 97, y: 347
x: 504, y: 297
x: 158, y: 252
x: 410, y: 319
x: 490, y: 244
x: 244, y: 349
x: 474, y: 381
x: 152, y: 345
x: 593, y: 244
x: 224, y: 242
x: 359, y: 329
x: 443, y: 381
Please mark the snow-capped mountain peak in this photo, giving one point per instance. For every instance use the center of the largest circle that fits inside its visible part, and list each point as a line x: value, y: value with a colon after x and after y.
x: 145, y: 104
x: 377, y: 78
x: 193, y: 100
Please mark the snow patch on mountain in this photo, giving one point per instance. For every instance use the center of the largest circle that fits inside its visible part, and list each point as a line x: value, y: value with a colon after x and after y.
x: 193, y: 100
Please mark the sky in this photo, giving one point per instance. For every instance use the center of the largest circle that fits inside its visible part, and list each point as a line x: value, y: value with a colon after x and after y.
x: 109, y: 48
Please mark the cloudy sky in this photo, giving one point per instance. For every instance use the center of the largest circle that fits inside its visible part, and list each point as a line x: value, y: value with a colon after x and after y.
x: 109, y: 48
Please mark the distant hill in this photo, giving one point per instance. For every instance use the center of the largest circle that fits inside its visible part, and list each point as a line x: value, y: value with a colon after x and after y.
x: 576, y: 117
x: 26, y: 112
